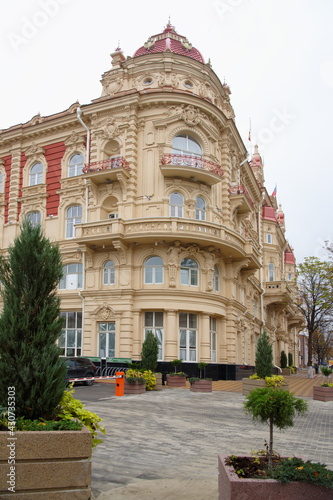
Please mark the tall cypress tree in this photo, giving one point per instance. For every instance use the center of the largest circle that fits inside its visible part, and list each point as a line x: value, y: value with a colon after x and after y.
x: 149, y: 353
x: 264, y: 357
x: 30, y: 324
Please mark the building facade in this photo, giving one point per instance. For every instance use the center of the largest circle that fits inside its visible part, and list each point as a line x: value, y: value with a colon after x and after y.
x: 163, y: 222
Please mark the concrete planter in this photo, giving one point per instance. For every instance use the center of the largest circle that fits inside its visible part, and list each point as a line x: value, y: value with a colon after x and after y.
x: 48, y: 464
x: 135, y: 388
x: 322, y: 393
x: 176, y: 380
x: 158, y: 386
x: 249, y: 385
x: 286, y: 372
x: 201, y: 386
x: 231, y: 487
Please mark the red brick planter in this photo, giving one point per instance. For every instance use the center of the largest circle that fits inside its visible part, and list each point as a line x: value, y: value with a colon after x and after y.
x: 135, y: 388
x: 176, y: 380
x: 201, y: 386
x: 231, y: 487
x: 322, y: 393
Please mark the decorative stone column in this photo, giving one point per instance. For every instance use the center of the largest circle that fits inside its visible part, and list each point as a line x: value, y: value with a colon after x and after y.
x: 204, y: 336
x: 171, y: 336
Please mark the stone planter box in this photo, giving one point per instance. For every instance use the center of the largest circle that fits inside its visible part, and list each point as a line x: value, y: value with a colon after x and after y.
x: 48, y: 464
x: 322, y: 393
x: 231, y: 487
x: 201, y: 386
x: 135, y: 388
x: 249, y: 385
x: 286, y: 372
x: 176, y: 380
x: 158, y: 386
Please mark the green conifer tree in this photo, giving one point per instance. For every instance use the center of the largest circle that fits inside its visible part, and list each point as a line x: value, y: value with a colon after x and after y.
x: 290, y: 359
x: 264, y: 357
x: 283, y: 360
x: 149, y: 353
x: 30, y: 325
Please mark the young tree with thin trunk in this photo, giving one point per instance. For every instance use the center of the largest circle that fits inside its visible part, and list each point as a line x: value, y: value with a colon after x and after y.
x: 30, y: 325
x: 315, y: 287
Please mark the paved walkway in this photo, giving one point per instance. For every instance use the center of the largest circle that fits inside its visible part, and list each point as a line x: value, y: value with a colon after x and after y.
x: 164, y: 445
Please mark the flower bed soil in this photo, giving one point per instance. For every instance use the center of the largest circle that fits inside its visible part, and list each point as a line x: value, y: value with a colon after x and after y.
x: 249, y: 467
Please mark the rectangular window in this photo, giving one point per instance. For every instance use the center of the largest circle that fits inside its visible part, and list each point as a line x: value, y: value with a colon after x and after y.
x: 188, y: 332
x: 70, y: 341
x: 153, y: 321
x: 269, y: 238
x: 113, y: 215
x: 213, y: 339
x: 106, y: 335
x: 289, y: 276
x: 255, y: 308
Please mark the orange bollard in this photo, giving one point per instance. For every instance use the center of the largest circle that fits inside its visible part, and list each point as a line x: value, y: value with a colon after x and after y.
x: 120, y: 382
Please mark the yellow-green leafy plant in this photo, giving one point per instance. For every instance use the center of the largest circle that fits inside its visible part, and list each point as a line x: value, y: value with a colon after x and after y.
x: 275, y: 381
x: 71, y: 408
x: 147, y: 375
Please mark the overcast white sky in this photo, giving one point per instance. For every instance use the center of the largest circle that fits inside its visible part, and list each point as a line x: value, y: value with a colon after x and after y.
x: 276, y: 55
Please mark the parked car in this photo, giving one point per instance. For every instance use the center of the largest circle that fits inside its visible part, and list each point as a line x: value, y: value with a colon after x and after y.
x: 80, y: 368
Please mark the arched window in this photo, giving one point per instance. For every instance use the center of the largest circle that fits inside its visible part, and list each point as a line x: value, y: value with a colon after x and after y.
x: 216, y: 280
x: 189, y: 272
x: 200, y: 209
x: 36, y: 174
x: 108, y: 273
x: 34, y: 218
x: 271, y: 274
x: 75, y: 165
x: 72, y: 277
x: 153, y: 271
x: 176, y: 205
x: 73, y: 216
x: 186, y: 145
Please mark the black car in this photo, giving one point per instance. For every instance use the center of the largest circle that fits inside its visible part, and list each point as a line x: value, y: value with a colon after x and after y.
x: 80, y: 368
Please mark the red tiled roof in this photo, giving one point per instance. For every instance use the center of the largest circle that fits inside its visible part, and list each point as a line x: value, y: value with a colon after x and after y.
x: 170, y: 40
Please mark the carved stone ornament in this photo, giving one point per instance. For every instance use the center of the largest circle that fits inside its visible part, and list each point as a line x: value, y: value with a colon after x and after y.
x: 34, y: 150
x: 112, y: 85
x: 111, y: 129
x: 149, y: 43
x: 191, y: 116
x: 186, y: 44
x: 74, y: 141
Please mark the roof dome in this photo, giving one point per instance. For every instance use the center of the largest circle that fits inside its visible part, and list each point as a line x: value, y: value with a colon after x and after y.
x: 169, y: 40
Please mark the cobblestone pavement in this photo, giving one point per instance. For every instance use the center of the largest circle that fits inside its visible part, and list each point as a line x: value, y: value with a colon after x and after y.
x: 172, y: 438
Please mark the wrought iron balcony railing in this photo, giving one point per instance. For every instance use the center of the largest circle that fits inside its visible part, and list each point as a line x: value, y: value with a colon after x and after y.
x: 192, y: 161
x: 237, y: 190
x: 111, y: 163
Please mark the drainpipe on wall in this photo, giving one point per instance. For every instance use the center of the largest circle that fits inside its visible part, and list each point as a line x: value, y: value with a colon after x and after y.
x: 82, y: 298
x: 79, y: 114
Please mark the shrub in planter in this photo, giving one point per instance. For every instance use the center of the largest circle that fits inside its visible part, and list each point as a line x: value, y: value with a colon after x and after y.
x: 290, y: 359
x: 175, y: 363
x: 147, y: 376
x: 263, y: 365
x: 149, y: 353
x: 283, y: 360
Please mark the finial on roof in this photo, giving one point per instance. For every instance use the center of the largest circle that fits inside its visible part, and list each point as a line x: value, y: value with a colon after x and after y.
x: 118, y: 49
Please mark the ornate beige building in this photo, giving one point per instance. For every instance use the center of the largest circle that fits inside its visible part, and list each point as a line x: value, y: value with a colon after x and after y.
x: 162, y: 221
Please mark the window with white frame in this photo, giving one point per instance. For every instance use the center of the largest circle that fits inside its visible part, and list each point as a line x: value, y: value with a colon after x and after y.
x: 36, y: 174
x: 153, y: 322
x: 70, y: 340
x: 73, y: 216
x: 189, y: 272
x: 107, y: 339
x: 176, y: 205
x: 213, y: 339
x: 153, y: 267
x: 34, y: 218
x: 72, y: 277
x: 188, y: 332
x: 200, y: 209
x: 269, y: 238
x: 108, y: 273
x: 186, y: 145
x: 289, y: 277
x: 216, y: 280
x: 271, y: 273
x: 75, y: 165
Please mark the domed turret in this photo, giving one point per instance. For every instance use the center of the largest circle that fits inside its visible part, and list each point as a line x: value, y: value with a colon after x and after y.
x: 169, y: 40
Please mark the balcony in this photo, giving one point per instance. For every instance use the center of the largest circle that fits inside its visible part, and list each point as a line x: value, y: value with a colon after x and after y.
x: 113, y: 169
x: 277, y: 292
x: 195, y: 168
x: 240, y: 199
